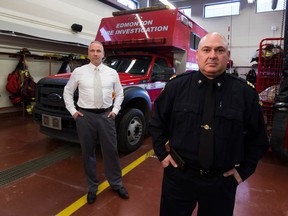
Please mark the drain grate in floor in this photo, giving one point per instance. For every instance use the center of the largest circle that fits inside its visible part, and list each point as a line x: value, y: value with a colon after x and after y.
x: 15, y: 173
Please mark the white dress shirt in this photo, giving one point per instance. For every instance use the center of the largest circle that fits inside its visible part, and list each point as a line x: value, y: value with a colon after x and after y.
x: 83, y: 78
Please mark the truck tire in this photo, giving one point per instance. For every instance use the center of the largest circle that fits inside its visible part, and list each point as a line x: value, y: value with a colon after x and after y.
x: 131, y: 131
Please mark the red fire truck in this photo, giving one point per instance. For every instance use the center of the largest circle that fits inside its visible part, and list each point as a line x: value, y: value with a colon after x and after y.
x: 146, y: 46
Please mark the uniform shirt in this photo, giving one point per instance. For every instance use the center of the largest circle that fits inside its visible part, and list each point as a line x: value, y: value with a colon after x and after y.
x: 83, y: 78
x: 239, y: 130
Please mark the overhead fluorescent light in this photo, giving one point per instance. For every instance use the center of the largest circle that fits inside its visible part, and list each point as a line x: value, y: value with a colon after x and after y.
x: 165, y: 2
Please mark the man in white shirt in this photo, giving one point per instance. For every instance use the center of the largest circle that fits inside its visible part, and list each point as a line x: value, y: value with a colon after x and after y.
x: 95, y: 118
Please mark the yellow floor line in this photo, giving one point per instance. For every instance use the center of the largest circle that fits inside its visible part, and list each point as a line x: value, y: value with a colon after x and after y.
x: 82, y: 201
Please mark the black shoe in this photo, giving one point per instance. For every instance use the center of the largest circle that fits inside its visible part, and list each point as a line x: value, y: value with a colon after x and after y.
x: 91, y: 197
x: 122, y: 193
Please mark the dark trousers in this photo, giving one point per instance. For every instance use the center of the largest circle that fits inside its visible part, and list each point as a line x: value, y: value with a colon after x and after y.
x: 183, y: 190
x: 91, y: 127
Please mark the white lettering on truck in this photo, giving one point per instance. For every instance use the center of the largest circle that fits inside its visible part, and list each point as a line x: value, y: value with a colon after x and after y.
x: 133, y: 24
x: 140, y: 30
x: 145, y: 26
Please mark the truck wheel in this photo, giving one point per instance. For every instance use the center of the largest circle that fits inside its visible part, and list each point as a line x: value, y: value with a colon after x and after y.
x: 131, y: 131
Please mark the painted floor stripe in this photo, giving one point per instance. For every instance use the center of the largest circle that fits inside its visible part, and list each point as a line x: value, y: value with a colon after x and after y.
x: 82, y: 201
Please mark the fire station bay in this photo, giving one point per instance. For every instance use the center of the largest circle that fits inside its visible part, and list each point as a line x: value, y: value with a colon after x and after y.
x: 63, y: 154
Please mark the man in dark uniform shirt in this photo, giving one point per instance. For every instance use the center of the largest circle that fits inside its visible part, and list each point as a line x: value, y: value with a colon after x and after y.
x: 239, y: 138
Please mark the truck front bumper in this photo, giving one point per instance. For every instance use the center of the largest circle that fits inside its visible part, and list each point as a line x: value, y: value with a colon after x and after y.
x: 56, y: 125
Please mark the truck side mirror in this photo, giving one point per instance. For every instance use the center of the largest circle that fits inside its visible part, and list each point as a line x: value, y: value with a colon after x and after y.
x: 163, y: 75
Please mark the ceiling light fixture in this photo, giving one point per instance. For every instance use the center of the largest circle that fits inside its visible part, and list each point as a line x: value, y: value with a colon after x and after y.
x: 165, y: 2
x: 250, y: 1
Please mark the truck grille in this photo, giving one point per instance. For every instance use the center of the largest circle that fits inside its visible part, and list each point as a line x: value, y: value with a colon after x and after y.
x: 50, y: 95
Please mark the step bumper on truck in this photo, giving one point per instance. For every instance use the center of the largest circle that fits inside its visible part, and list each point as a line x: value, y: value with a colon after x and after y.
x: 59, y: 126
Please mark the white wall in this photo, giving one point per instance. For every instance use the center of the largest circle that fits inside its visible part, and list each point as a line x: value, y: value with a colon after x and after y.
x: 246, y: 29
x: 53, y: 19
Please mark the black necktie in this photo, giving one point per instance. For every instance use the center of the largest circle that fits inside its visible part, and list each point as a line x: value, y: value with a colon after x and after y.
x: 206, y: 147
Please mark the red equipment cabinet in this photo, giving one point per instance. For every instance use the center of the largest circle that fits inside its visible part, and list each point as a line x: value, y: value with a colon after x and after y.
x: 270, y: 63
x: 270, y: 74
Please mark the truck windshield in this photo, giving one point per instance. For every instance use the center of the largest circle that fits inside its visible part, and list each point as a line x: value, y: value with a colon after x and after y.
x: 136, y: 65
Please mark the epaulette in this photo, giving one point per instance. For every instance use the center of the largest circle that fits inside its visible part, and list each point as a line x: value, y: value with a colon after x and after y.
x: 177, y: 76
x: 260, y: 103
x: 242, y: 80
x: 250, y: 84
x: 180, y: 75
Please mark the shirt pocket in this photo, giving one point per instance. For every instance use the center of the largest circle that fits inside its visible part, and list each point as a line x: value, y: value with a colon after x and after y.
x: 229, y: 122
x: 186, y: 117
x: 230, y: 114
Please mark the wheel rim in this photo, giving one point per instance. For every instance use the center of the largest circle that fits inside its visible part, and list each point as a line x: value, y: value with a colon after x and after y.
x: 135, y: 130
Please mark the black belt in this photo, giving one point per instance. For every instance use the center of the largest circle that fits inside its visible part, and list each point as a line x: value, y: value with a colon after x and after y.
x: 97, y: 111
x: 208, y: 173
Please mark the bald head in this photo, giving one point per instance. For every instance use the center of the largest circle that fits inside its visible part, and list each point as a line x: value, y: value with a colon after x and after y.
x: 214, y: 35
x: 212, y: 55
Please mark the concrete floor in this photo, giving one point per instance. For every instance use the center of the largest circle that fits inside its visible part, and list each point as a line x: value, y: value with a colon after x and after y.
x: 44, y: 176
